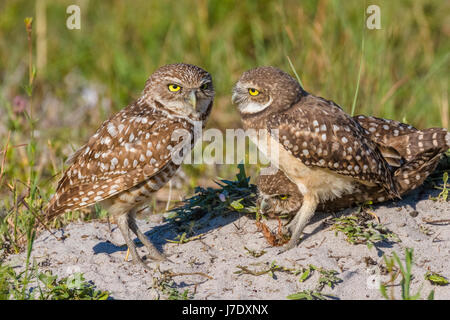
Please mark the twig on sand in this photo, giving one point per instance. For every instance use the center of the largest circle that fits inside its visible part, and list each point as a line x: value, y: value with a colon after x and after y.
x: 173, y: 274
x: 442, y: 221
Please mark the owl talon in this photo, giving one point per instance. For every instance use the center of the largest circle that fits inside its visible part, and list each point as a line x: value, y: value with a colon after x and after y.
x: 289, y: 228
x: 286, y: 231
x: 291, y: 244
x: 141, y: 262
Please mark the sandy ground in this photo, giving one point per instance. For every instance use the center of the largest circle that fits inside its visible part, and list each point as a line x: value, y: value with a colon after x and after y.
x: 207, y: 266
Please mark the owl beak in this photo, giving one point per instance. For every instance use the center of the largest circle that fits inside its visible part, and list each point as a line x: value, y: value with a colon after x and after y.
x: 193, y: 99
x: 234, y: 98
x: 264, y: 206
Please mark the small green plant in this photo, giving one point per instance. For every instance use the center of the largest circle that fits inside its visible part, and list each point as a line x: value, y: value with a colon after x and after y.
x: 436, y: 278
x: 8, y: 283
x: 231, y: 196
x: 74, y: 287
x: 167, y: 286
x: 174, y: 294
x: 326, y: 278
x: 394, y: 266
x: 35, y: 285
x: 309, y: 295
x: 358, y: 229
x: 443, y: 195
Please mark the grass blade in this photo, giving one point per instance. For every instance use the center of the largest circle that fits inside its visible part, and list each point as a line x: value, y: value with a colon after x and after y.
x: 295, y: 72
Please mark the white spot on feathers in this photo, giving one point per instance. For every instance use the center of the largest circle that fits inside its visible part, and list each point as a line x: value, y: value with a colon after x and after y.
x: 112, y: 130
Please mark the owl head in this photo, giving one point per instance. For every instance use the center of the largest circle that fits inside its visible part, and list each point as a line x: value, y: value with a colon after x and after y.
x: 265, y: 90
x: 278, y: 196
x: 183, y: 89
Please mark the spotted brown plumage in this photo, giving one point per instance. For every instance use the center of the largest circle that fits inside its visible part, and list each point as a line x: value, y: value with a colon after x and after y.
x: 395, y: 138
x: 279, y: 196
x: 126, y: 150
x: 136, y: 151
x: 413, y: 153
x: 321, y: 134
x: 327, y: 154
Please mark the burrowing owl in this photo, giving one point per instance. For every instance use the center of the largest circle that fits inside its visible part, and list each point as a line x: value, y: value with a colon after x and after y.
x: 279, y: 196
x: 324, y: 151
x: 132, y: 154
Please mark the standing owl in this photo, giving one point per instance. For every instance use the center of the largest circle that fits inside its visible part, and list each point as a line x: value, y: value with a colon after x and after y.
x: 321, y: 149
x: 132, y: 154
x: 279, y: 196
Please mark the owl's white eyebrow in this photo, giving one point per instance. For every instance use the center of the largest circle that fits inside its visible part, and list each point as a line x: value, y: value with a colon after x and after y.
x: 253, y: 107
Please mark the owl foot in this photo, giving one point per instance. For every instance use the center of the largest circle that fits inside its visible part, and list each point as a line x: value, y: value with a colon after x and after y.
x: 126, y: 223
x: 301, y: 219
x: 154, y: 254
x: 288, y: 230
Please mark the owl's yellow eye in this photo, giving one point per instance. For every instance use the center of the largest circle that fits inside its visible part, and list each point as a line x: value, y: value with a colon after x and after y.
x: 283, y: 196
x: 253, y: 92
x: 174, y: 87
x: 204, y: 86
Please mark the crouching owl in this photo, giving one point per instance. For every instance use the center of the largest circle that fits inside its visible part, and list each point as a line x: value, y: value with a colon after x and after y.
x: 325, y: 152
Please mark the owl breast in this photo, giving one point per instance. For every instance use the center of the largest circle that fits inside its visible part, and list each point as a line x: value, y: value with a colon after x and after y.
x: 325, y: 184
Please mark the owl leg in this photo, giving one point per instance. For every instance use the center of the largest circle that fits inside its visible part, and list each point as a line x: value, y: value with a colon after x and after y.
x: 123, y: 223
x: 301, y: 219
x: 153, y: 252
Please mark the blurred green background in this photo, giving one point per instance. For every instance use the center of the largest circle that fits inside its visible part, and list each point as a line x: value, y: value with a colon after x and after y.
x: 85, y: 75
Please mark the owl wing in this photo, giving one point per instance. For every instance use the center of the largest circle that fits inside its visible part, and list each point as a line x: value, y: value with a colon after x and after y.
x: 408, y: 141
x: 126, y: 150
x: 320, y: 134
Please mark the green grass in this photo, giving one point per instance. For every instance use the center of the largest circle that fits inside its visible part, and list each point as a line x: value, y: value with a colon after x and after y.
x: 402, y: 73
x: 38, y: 285
x: 394, y: 267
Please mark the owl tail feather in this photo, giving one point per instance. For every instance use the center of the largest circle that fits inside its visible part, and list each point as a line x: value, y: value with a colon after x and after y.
x: 53, y: 208
x: 423, y: 153
x: 433, y: 140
